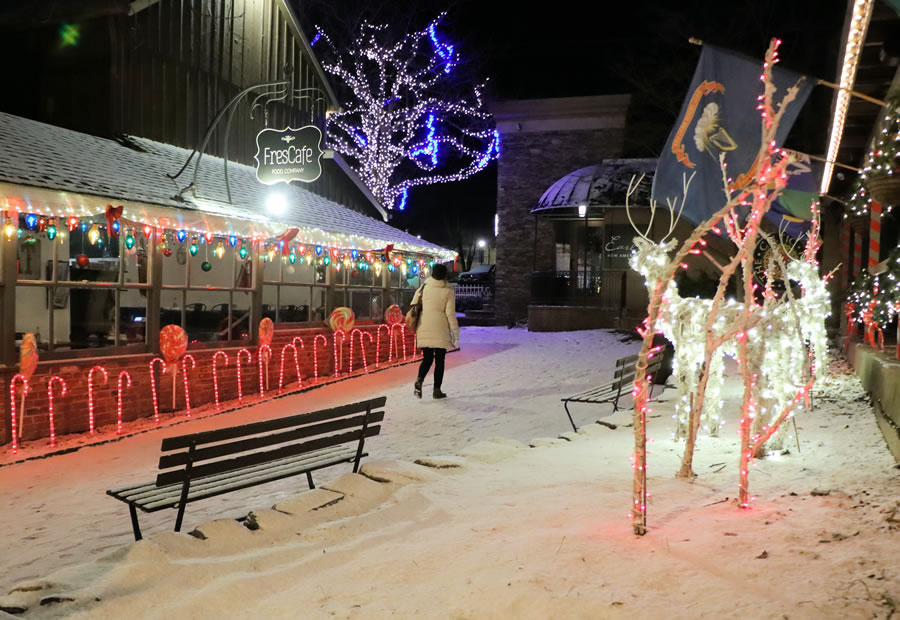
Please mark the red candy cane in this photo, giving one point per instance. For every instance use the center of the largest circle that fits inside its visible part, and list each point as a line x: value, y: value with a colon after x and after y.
x: 61, y: 381
x: 281, y: 370
x: 263, y: 365
x: 397, y: 327
x: 297, y: 340
x: 122, y: 375
x: 184, y: 378
x: 316, y: 354
x: 378, y: 342
x: 338, y: 350
x: 153, y: 386
x: 12, y: 407
x: 362, y: 347
x: 216, y: 375
x: 91, y: 393
x: 249, y: 360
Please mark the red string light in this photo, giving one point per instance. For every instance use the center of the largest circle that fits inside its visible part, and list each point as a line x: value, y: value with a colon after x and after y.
x: 263, y: 364
x: 240, y: 386
x: 12, y: 407
x: 362, y: 347
x: 316, y: 354
x: 153, y: 386
x: 338, y: 350
x: 122, y: 375
x: 184, y: 378
x: 61, y: 381
x: 281, y: 370
x: 91, y: 393
x: 378, y: 342
x: 295, y: 341
x: 216, y: 375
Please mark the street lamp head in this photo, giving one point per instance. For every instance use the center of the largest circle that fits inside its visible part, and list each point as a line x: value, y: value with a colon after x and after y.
x: 482, y: 243
x: 582, y: 210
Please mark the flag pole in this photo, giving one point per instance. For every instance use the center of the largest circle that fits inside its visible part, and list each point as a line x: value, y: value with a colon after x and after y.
x: 821, y: 82
x: 827, y: 161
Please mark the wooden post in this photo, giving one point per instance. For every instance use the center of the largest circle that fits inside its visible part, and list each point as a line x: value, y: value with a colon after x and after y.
x: 8, y: 273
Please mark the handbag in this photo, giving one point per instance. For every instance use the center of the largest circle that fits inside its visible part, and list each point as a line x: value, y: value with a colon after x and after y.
x: 415, y: 311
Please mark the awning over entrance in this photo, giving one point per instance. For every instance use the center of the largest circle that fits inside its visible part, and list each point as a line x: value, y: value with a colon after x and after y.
x: 601, y: 186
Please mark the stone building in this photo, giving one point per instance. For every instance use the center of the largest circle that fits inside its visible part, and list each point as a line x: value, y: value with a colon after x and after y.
x: 543, y: 140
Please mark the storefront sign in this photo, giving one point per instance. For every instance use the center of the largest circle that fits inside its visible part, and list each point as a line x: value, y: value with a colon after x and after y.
x: 285, y: 155
x: 618, y: 247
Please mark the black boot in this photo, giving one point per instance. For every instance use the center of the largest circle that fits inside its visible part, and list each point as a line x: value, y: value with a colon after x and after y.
x: 437, y: 394
x: 417, y: 388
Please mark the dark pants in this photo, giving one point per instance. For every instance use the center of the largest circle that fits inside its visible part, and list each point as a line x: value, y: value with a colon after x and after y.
x: 436, y: 355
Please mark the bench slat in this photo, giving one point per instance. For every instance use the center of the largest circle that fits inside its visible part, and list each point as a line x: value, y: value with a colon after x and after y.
x: 144, y: 492
x: 255, y: 443
x: 256, y: 458
x: 255, y: 428
x: 261, y: 477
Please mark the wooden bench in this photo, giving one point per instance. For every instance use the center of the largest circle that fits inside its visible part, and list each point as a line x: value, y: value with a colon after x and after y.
x: 622, y: 383
x: 203, y: 465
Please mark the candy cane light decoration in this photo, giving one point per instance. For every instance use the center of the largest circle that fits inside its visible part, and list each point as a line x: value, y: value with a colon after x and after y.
x: 91, y: 393
x: 12, y: 406
x: 240, y: 386
x: 153, y: 388
x: 316, y: 354
x: 387, y: 328
x: 61, y: 381
x: 362, y: 347
x: 184, y: 378
x: 338, y: 350
x: 298, y: 341
x: 216, y: 375
x: 119, y: 390
x: 281, y: 370
x: 265, y: 351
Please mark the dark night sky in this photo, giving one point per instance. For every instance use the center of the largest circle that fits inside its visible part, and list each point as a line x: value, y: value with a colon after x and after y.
x: 558, y: 49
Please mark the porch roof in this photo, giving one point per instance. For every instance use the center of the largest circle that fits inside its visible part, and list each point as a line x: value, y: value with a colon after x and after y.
x: 57, y: 171
x: 601, y: 185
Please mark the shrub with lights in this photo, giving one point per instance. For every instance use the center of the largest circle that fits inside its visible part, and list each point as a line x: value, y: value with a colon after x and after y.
x: 406, y: 120
x: 880, y: 177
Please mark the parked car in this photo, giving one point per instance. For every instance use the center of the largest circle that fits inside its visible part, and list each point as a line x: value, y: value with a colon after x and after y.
x: 481, y: 274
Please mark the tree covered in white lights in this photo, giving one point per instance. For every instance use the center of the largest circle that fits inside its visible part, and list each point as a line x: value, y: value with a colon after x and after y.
x: 406, y: 120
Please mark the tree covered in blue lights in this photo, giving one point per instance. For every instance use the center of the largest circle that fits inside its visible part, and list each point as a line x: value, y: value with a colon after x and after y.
x: 406, y: 120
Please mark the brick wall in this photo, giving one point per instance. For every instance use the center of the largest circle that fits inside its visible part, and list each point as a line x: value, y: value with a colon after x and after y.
x: 71, y: 412
x: 530, y: 163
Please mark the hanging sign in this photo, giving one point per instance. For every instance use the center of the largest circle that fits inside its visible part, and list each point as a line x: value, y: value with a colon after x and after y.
x: 285, y: 155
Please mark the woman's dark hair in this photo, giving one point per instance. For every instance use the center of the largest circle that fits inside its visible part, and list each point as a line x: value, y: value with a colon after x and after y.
x: 439, y: 272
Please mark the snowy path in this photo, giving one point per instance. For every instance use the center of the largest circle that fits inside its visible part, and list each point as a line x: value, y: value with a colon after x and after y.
x: 503, y: 383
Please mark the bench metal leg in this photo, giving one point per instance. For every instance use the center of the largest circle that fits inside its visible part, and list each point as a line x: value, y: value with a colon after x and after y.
x: 134, y: 522
x: 571, y: 421
x: 309, y: 478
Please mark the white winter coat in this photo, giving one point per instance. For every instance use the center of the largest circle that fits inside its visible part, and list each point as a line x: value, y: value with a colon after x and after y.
x: 438, y: 328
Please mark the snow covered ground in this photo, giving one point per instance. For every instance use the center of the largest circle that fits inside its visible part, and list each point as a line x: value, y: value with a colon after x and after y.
x: 512, y: 532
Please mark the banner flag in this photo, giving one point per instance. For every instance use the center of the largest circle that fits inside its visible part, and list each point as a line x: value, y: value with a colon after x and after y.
x: 791, y: 213
x: 720, y: 115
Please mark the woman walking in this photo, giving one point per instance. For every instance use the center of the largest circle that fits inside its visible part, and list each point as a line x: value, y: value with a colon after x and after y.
x: 437, y: 330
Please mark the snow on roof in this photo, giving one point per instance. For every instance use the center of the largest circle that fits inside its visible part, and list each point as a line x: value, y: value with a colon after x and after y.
x: 602, y: 185
x: 45, y: 156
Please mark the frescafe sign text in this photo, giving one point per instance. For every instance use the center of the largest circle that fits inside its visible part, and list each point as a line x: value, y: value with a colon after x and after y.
x: 285, y: 155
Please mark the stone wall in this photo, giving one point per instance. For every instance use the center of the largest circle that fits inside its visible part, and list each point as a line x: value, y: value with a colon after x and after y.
x: 530, y: 162
x: 71, y: 413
